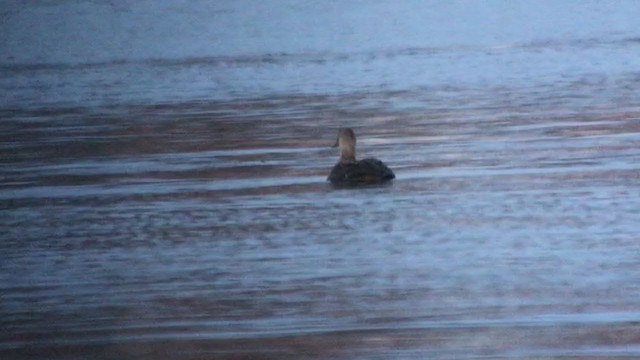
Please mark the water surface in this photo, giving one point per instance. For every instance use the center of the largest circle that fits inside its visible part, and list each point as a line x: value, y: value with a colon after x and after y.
x: 163, y: 188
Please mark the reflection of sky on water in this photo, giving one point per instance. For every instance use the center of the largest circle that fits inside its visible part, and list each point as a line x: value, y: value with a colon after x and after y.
x: 142, y: 53
x: 96, y: 32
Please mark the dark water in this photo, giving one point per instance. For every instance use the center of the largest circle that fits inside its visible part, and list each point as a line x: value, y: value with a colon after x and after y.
x: 172, y: 203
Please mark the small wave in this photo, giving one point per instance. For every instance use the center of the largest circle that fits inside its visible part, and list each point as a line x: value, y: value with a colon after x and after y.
x: 321, y: 57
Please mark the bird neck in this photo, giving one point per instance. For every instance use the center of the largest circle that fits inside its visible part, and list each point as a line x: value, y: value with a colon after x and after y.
x: 347, y: 153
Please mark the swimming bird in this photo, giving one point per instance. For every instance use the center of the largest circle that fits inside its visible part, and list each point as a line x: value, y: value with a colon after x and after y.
x: 349, y: 172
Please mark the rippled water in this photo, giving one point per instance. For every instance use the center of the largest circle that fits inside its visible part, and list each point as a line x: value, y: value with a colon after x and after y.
x: 172, y: 203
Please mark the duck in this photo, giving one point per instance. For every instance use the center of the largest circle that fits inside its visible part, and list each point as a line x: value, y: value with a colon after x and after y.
x: 349, y: 172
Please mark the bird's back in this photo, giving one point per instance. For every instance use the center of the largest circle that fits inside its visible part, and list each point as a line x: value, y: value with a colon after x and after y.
x: 364, y: 172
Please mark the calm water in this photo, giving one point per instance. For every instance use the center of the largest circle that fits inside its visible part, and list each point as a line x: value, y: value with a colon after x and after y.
x: 163, y: 193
